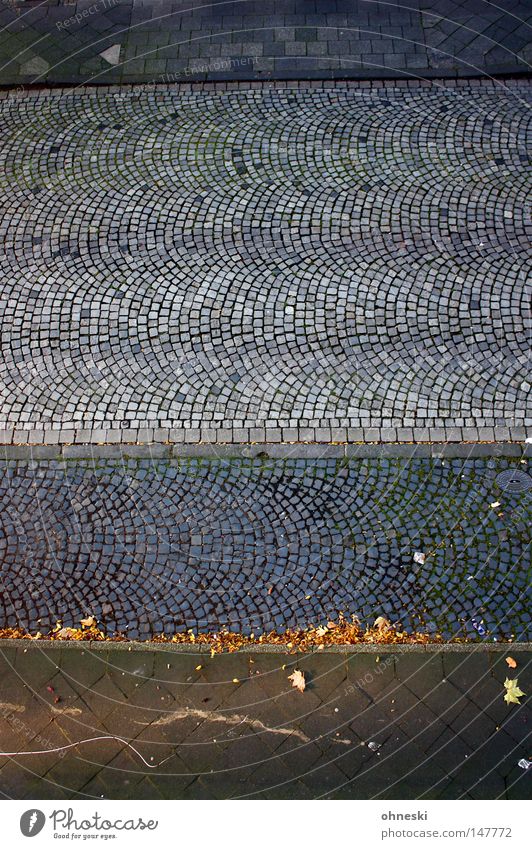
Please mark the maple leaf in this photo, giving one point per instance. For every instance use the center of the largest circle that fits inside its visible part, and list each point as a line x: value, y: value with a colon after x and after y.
x: 513, y: 693
x: 89, y: 622
x: 511, y: 662
x: 298, y: 680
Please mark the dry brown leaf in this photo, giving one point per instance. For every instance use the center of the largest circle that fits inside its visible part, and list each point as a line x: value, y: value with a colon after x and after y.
x: 511, y: 662
x: 321, y: 631
x: 381, y: 623
x: 298, y: 680
x: 342, y: 632
x: 89, y: 622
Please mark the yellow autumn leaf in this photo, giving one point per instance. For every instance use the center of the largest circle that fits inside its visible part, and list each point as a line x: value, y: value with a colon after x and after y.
x: 89, y: 622
x: 298, y: 680
x: 381, y: 623
x: 513, y: 692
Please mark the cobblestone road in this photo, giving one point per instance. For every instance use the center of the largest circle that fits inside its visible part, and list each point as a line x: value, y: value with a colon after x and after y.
x: 393, y: 725
x: 152, y: 546
x: 169, y: 40
x: 265, y: 263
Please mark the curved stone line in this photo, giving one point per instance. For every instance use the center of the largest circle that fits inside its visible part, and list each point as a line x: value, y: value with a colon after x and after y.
x: 265, y: 257
x: 158, y: 546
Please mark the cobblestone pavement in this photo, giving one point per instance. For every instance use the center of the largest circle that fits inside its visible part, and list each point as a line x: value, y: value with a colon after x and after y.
x: 272, y: 264
x: 123, y: 41
x: 393, y: 725
x: 152, y: 546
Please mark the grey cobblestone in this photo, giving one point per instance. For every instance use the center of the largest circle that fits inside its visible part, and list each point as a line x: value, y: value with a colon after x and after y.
x: 422, y: 338
x: 256, y: 544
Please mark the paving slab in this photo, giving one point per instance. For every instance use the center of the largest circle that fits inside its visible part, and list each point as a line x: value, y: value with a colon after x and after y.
x: 252, y: 545
x: 269, y: 264
x: 225, y: 738
x: 123, y: 41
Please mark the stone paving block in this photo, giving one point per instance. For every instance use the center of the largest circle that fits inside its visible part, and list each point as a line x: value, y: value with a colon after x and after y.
x: 303, y: 751
x: 223, y: 398
x: 263, y: 543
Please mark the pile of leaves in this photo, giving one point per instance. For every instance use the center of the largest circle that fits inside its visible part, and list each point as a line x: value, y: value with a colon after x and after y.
x: 342, y: 632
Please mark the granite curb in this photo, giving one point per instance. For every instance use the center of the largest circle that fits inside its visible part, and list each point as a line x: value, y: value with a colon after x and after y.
x: 162, y: 451
x: 265, y: 648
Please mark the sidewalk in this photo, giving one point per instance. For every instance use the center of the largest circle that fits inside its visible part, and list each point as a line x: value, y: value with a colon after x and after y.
x: 120, y: 41
x: 391, y: 724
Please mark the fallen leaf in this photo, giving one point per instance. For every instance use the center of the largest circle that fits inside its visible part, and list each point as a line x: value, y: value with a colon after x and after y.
x: 298, y: 680
x: 89, y: 622
x: 495, y: 504
x: 331, y: 625
x: 381, y: 623
x: 270, y: 590
x: 198, y: 667
x: 511, y: 662
x: 236, y: 681
x: 64, y: 633
x: 513, y: 693
x: 419, y: 557
x: 321, y: 631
